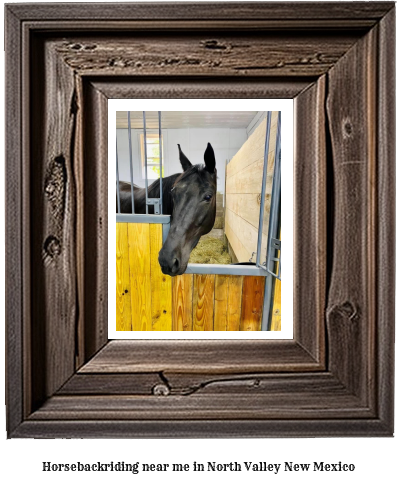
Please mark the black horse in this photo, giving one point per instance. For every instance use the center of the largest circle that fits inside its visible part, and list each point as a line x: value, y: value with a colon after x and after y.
x: 190, y: 199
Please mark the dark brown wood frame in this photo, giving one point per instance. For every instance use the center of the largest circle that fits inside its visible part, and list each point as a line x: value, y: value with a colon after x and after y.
x: 62, y: 64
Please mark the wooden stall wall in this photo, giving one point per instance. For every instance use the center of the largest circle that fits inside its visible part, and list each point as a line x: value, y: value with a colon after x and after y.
x: 244, y: 175
x: 147, y: 300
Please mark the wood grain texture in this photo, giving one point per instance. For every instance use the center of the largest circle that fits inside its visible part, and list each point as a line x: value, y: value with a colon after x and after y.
x: 200, y: 356
x: 16, y: 235
x: 95, y: 204
x: 247, y: 206
x: 242, y: 236
x: 248, y: 180
x: 310, y: 219
x: 54, y: 264
x: 276, y: 312
x: 140, y: 275
x: 234, y: 303
x: 161, y: 285
x: 249, y: 406
x: 203, y: 302
x: 228, y: 302
x: 119, y: 428
x: 123, y: 288
x: 182, y: 307
x: 385, y: 245
x: 221, y: 303
x: 154, y: 87
x: 351, y: 305
x: 241, y: 254
x: 362, y: 14
x: 110, y: 384
x: 259, y: 397
x: 250, y: 152
x: 252, y: 303
x: 222, y: 55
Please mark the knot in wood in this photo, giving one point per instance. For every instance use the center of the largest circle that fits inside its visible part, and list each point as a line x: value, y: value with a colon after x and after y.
x: 213, y: 44
x: 52, y: 246
x: 347, y: 128
x: 161, y: 390
x: 50, y: 188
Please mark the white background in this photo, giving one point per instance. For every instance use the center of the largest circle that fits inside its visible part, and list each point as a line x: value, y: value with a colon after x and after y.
x: 287, y: 193
x: 376, y: 459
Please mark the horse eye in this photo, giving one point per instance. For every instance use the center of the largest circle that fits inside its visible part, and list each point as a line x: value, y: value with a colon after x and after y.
x: 208, y: 197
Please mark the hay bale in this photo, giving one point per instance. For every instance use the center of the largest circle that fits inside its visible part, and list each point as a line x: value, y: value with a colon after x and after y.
x: 210, y: 251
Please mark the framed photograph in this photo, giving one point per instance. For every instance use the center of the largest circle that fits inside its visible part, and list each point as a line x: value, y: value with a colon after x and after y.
x: 197, y: 258
x: 64, y: 66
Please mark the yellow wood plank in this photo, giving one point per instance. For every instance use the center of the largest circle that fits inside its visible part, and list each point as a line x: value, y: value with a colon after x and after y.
x: 228, y: 293
x: 123, y: 290
x: 252, y: 303
x: 182, y: 298
x: 161, y: 285
x: 276, y: 313
x: 203, y: 302
x: 140, y: 274
x: 234, y: 303
x: 221, y: 303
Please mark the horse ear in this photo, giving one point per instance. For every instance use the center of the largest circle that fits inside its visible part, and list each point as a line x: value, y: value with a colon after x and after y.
x: 185, y: 163
x: 209, y: 158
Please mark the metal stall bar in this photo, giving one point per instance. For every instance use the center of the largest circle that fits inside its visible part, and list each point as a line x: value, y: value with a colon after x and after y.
x: 262, y: 201
x: 273, y: 242
x: 130, y: 159
x: 274, y: 223
x: 145, y: 163
x: 118, y: 197
x: 160, y: 162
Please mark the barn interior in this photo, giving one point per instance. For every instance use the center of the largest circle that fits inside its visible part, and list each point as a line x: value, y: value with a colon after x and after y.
x: 238, y: 139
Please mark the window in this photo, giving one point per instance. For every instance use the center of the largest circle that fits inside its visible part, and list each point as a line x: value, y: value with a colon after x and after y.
x: 152, y: 156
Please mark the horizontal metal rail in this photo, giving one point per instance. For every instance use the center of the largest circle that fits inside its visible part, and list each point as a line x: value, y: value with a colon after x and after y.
x: 140, y: 218
x: 228, y: 269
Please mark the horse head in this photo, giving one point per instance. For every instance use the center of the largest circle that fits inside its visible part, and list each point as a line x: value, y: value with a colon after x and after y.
x: 194, y: 211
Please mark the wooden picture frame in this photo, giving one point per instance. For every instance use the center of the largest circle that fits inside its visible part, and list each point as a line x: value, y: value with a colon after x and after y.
x: 335, y: 378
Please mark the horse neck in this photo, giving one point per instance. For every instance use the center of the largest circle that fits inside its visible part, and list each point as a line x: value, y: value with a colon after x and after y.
x: 167, y: 200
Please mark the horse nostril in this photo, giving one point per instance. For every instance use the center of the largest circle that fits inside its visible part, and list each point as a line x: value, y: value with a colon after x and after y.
x: 176, y: 265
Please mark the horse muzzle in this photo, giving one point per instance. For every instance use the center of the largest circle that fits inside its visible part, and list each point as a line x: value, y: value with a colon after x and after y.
x: 171, y: 265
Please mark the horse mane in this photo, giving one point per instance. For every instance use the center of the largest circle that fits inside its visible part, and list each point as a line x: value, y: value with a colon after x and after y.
x: 193, y: 169
x: 167, y: 185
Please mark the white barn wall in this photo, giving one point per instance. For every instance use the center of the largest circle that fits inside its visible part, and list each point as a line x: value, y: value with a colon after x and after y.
x: 193, y: 141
